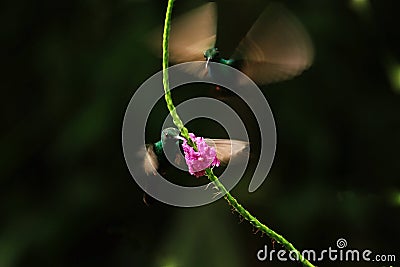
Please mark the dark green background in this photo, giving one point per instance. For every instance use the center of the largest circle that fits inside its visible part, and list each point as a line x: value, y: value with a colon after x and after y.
x: 67, y: 198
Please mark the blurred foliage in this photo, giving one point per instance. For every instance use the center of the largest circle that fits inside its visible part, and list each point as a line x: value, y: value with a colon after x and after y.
x: 67, y: 198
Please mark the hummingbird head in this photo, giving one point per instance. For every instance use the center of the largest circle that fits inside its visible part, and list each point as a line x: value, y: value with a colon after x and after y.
x: 170, y: 141
x: 211, y: 54
x: 170, y: 135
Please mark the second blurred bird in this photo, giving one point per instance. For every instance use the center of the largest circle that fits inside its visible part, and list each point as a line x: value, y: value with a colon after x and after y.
x: 276, y: 48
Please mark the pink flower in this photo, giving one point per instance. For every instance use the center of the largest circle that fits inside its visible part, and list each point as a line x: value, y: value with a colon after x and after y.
x: 202, y: 159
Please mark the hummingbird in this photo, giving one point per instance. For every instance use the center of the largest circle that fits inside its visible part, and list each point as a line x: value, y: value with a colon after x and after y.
x: 276, y: 47
x: 155, y: 158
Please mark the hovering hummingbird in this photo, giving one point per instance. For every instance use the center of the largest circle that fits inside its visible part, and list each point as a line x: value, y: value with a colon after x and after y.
x: 155, y: 159
x: 276, y: 48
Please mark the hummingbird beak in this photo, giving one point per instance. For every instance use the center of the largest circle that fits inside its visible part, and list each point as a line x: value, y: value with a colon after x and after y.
x: 179, y: 137
x: 208, y: 60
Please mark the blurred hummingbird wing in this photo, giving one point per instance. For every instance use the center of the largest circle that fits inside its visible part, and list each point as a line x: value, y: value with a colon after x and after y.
x: 229, y: 149
x: 150, y: 166
x: 150, y: 161
x: 191, y: 35
x: 276, y: 48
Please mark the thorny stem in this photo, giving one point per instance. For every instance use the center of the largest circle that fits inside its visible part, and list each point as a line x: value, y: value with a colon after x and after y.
x: 253, y: 220
x: 184, y: 132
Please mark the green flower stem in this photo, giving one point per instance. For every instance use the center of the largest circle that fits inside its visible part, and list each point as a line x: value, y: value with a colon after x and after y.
x: 253, y: 220
x: 178, y: 122
x: 168, y: 98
